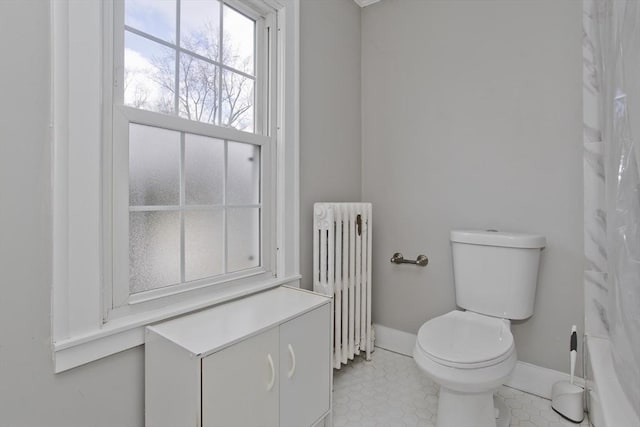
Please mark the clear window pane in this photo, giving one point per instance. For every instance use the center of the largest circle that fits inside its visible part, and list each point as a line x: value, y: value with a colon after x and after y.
x: 157, y: 18
x: 237, y: 101
x: 198, y: 89
x: 204, y: 170
x: 149, y: 74
x: 154, y: 166
x: 238, y: 40
x: 154, y: 250
x: 200, y: 27
x: 204, y: 244
x: 243, y: 174
x: 243, y: 238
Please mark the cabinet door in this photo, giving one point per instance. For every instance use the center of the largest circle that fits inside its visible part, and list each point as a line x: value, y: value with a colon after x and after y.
x: 305, y: 368
x: 240, y: 384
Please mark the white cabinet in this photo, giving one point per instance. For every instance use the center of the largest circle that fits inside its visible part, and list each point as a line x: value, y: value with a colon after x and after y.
x: 305, y: 374
x: 239, y: 384
x: 264, y: 360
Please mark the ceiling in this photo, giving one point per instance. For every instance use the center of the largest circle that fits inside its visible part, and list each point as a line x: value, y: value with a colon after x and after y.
x: 363, y: 3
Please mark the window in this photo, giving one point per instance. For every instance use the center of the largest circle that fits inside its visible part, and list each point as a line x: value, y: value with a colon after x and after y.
x: 175, y: 145
x: 190, y: 93
x: 194, y: 58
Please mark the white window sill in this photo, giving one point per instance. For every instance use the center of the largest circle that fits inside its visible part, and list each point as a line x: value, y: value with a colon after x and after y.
x: 127, y: 332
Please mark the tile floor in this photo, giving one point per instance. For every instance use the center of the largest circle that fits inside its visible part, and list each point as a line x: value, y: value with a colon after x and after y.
x: 390, y: 391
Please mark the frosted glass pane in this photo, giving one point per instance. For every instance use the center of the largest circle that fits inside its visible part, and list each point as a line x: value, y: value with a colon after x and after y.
x: 237, y: 101
x: 149, y: 74
x: 204, y: 170
x: 154, y: 250
x: 243, y: 174
x: 157, y: 18
x: 154, y: 166
x: 200, y: 27
x: 243, y: 238
x: 198, y: 95
x: 238, y: 40
x: 204, y: 244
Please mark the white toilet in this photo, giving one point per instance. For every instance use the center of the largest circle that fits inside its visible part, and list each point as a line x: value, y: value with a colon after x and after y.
x: 471, y: 353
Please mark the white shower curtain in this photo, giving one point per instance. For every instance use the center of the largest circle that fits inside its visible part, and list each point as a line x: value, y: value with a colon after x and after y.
x: 618, y: 25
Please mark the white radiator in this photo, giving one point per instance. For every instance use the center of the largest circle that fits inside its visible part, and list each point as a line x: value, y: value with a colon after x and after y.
x: 342, y: 269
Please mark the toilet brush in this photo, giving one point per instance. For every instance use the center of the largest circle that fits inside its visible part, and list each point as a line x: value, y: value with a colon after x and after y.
x: 573, y: 350
x: 566, y: 397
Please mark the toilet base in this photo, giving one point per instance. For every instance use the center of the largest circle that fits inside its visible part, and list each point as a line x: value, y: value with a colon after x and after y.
x: 504, y: 413
x: 457, y: 409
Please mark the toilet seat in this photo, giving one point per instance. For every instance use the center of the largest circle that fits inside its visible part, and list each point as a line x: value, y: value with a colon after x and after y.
x: 466, y: 340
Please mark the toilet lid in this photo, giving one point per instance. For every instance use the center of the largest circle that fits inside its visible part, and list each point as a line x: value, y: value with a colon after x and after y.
x: 466, y: 340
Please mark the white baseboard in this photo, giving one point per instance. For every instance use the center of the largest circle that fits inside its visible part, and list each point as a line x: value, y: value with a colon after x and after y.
x: 394, y: 340
x: 534, y: 379
x: 526, y: 377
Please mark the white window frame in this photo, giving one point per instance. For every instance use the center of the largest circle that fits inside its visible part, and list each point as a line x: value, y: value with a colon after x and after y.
x: 117, y: 298
x: 84, y: 325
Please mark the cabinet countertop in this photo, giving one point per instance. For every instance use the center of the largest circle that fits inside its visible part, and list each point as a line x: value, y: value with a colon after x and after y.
x: 215, y: 328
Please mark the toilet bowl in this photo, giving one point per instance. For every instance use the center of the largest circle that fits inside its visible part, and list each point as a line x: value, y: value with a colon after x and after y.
x: 469, y: 355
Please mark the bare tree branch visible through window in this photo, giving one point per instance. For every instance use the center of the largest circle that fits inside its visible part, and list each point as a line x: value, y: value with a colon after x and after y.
x: 206, y: 92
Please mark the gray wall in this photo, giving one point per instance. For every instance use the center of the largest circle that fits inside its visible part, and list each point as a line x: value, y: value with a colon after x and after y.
x: 109, y: 392
x: 330, y: 155
x: 472, y: 119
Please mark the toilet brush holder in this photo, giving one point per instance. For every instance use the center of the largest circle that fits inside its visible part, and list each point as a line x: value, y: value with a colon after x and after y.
x: 567, y: 400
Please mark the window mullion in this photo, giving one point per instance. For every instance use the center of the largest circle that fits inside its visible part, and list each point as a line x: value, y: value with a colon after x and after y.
x: 220, y: 60
x: 176, y: 88
x: 225, y: 210
x: 116, y: 88
x: 153, y: 208
x: 179, y: 124
x: 182, y: 205
x: 113, y: 41
x: 259, y: 60
x: 150, y: 37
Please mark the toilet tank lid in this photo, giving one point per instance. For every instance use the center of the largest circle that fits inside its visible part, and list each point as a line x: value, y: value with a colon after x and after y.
x: 498, y: 238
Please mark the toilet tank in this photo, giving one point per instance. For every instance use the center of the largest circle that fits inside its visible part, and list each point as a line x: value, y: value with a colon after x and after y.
x: 496, y: 273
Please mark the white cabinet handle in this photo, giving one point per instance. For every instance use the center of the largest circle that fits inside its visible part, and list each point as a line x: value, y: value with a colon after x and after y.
x: 273, y: 373
x: 293, y: 362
